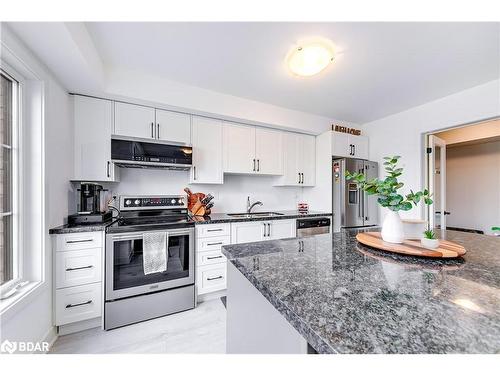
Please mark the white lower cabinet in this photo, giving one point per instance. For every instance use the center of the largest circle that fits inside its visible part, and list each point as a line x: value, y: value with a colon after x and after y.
x: 253, y: 231
x: 78, y: 277
x: 78, y: 303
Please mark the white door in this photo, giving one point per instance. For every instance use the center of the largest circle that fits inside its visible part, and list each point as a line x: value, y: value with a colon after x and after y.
x: 207, y: 151
x: 340, y: 145
x: 307, y: 160
x: 93, y: 119
x: 437, y: 182
x: 134, y: 121
x: 173, y: 126
x: 248, y: 231
x: 268, y: 151
x: 291, y: 155
x: 359, y: 144
x: 282, y: 229
x: 239, y: 148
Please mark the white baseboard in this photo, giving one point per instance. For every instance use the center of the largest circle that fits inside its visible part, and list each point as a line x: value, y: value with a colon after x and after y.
x: 79, y: 326
x: 211, y: 296
x: 50, y: 337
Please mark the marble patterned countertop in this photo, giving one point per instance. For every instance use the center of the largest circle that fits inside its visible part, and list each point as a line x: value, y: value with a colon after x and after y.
x: 344, y: 297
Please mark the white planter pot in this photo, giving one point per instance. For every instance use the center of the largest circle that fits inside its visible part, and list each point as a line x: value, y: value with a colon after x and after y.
x: 429, y: 244
x: 392, y: 228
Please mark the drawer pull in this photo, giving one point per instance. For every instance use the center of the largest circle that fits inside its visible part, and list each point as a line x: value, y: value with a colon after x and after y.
x: 220, y: 256
x: 78, y: 268
x: 78, y: 304
x: 214, y: 278
x: 215, y: 230
x: 77, y: 241
x: 214, y: 243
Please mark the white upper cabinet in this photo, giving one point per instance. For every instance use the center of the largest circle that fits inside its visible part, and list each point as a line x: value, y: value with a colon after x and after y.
x: 268, y: 151
x: 349, y: 146
x: 239, y: 148
x: 252, y: 150
x: 299, y: 160
x: 207, y: 151
x: 173, y: 126
x: 93, y: 119
x: 134, y: 121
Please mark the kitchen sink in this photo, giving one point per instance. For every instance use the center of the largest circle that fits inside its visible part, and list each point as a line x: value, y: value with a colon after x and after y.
x: 255, y: 214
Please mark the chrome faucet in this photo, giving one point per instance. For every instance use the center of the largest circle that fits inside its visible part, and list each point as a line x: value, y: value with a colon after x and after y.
x: 250, y: 206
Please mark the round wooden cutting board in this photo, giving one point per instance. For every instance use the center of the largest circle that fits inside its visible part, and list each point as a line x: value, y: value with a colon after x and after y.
x: 446, y: 249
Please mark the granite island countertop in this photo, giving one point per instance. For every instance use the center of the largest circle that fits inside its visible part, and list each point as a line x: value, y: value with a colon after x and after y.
x: 344, y: 297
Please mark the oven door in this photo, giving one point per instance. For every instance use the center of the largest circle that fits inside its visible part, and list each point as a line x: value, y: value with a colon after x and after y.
x: 124, y: 264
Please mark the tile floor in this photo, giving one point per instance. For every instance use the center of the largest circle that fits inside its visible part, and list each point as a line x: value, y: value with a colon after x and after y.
x: 201, y: 330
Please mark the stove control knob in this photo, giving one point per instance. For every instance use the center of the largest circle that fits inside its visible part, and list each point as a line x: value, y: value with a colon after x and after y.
x: 127, y: 202
x: 172, y: 201
x: 136, y: 202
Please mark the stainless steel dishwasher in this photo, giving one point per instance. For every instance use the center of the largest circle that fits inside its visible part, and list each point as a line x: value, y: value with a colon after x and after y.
x: 313, y: 225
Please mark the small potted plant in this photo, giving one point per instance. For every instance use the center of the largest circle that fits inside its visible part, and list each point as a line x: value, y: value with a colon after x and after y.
x: 496, y: 231
x: 388, y: 196
x: 429, y: 241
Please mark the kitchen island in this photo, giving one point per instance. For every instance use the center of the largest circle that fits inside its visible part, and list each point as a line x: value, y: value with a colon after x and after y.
x: 329, y: 294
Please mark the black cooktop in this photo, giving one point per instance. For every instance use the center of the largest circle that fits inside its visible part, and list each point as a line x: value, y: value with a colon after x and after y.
x: 150, y: 220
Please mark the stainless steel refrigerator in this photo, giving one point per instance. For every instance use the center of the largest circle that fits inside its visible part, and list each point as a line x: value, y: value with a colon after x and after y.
x: 352, y: 207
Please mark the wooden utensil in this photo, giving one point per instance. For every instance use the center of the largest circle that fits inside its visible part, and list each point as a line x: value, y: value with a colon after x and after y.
x: 446, y: 249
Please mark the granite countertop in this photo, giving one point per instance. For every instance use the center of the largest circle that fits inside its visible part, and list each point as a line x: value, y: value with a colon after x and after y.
x: 212, y: 219
x: 288, y: 214
x: 344, y: 297
x: 78, y: 228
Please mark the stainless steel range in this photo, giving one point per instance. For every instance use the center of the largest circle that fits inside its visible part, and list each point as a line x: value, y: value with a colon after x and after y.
x: 132, y: 292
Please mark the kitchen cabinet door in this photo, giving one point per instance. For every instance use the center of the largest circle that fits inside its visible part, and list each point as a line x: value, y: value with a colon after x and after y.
x: 93, y: 121
x: 207, y: 151
x: 134, y: 121
x: 239, y: 148
x: 360, y: 146
x: 268, y: 151
x: 248, y: 231
x: 291, y: 158
x: 307, y: 160
x: 173, y: 126
x: 340, y: 145
x: 282, y: 229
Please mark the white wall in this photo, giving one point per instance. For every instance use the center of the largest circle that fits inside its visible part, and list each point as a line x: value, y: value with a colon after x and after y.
x: 229, y: 197
x: 473, y: 186
x: 32, y: 320
x: 401, y: 133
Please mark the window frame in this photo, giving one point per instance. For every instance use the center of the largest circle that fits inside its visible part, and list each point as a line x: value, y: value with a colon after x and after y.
x: 16, y: 176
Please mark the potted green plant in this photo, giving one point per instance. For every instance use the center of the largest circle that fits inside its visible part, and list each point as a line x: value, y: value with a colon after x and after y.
x: 429, y: 241
x: 388, y: 195
x: 496, y: 231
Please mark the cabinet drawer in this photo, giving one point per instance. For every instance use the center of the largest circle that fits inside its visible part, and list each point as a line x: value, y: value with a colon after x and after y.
x: 211, y: 278
x: 212, y: 243
x: 210, y: 257
x: 213, y: 230
x: 78, y: 241
x: 78, y: 303
x: 78, y: 267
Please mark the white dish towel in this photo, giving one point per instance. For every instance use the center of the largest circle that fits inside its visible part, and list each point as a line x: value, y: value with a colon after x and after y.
x: 154, y: 252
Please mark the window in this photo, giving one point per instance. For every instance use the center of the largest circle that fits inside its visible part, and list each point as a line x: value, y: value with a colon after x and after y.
x: 9, y: 249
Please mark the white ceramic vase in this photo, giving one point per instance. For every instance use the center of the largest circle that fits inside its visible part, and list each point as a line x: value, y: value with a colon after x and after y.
x: 392, y: 228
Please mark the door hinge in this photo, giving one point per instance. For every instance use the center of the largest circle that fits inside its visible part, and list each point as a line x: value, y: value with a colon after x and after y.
x: 429, y: 150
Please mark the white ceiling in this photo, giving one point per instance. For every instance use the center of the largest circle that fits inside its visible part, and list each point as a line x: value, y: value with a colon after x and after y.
x: 382, y: 68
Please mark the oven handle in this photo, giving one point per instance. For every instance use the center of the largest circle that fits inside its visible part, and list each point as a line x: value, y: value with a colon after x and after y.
x: 171, y: 233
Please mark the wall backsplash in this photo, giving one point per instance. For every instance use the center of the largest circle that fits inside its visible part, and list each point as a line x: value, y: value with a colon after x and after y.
x: 229, y: 197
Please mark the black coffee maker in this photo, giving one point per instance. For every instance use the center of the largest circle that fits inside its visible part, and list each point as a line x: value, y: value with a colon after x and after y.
x: 89, y: 206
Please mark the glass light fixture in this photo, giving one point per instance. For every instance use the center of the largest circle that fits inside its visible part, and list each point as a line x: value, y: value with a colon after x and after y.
x: 310, y: 57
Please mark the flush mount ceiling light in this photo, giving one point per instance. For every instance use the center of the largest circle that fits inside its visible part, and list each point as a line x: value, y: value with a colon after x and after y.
x: 310, y: 57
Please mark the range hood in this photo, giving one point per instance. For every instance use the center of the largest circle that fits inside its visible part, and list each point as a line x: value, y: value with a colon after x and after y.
x: 132, y: 153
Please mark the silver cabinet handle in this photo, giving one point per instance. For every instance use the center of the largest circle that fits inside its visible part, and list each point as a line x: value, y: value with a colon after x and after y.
x: 254, y: 165
x: 353, y: 150
x: 268, y: 229
x: 214, y: 243
x: 214, y: 278
x: 258, y: 165
x: 152, y: 130
x: 194, y: 172
x: 107, y: 169
x: 158, y: 131
x: 299, y: 177
x: 220, y: 256
x: 265, y: 232
x: 78, y: 241
x: 215, y: 230
x: 78, y: 304
x: 78, y: 268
